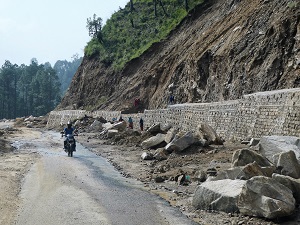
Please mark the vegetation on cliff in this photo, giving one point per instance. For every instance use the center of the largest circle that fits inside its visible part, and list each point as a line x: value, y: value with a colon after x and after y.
x: 132, y: 30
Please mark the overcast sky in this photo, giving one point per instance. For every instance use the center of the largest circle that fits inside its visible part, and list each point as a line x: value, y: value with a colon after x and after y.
x: 48, y: 30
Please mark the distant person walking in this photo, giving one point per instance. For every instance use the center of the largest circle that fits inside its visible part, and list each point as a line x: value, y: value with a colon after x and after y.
x: 172, y: 99
x: 130, y: 121
x: 142, y: 124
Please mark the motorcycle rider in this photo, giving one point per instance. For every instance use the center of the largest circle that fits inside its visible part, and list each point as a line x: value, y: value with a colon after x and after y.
x: 69, y: 130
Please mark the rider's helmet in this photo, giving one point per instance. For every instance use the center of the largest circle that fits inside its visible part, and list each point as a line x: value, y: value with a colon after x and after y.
x: 69, y: 124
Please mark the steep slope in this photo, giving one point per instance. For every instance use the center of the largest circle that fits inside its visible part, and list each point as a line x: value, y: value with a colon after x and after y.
x: 224, y: 49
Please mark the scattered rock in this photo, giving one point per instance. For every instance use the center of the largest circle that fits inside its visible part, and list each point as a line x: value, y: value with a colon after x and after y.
x: 153, y: 141
x: 266, y: 197
x: 200, y: 176
x: 221, y: 195
x: 96, y: 125
x: 254, y: 141
x: 179, y: 144
x: 112, y: 133
x: 288, y: 164
x: 210, y: 134
x: 120, y: 126
x: 147, y: 156
x: 159, y: 179
x: 160, y: 154
x: 243, y: 157
x: 271, y: 145
x: 170, y: 135
x: 165, y: 128
x: 107, y: 126
x: 251, y: 170
x: 154, y: 129
x: 231, y: 174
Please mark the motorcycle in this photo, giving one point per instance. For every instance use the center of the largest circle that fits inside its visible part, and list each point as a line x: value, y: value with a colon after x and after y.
x: 70, y: 146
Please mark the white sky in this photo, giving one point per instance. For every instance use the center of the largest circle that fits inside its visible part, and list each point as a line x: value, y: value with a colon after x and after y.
x: 48, y: 30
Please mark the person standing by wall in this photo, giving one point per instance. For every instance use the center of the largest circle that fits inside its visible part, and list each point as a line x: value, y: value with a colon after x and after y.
x: 130, y: 121
x: 142, y: 124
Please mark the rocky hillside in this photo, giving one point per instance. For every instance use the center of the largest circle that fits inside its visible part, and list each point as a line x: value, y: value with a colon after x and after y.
x: 222, y: 50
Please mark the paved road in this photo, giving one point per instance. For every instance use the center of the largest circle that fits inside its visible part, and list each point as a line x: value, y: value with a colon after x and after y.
x: 86, y: 189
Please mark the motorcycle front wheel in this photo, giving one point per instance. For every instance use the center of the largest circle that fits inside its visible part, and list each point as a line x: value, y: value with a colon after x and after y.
x: 70, y: 151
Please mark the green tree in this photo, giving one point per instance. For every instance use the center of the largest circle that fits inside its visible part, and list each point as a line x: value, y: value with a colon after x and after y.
x: 8, y: 95
x: 28, y: 90
x: 162, y: 6
x: 46, y: 90
x: 94, y: 26
x: 186, y: 5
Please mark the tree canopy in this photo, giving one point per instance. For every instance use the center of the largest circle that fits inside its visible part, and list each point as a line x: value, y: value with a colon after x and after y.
x: 28, y: 90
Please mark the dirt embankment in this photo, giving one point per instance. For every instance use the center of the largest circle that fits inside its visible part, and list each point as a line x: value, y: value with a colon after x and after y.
x: 14, y: 164
x: 224, y: 49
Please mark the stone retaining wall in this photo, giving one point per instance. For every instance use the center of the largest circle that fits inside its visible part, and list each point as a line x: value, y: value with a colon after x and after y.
x: 262, y: 113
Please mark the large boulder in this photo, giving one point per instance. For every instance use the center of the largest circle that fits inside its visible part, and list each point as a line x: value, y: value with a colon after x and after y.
x: 199, y: 135
x: 179, y: 144
x: 170, y: 135
x: 154, y: 129
x: 112, y: 133
x: 220, y: 195
x: 96, y: 125
x: 165, y: 127
x: 288, y: 164
x: 291, y: 183
x: 231, y: 173
x: 271, y: 145
x: 252, y: 170
x: 120, y: 126
x: 245, y: 172
x: 107, y: 126
x: 153, y: 141
x: 266, y: 197
x: 243, y: 157
x: 210, y: 134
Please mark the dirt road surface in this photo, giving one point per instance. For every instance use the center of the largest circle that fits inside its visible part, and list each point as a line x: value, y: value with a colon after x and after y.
x: 84, y: 189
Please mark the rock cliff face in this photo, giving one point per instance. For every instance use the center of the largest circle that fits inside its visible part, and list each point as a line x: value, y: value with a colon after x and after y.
x: 224, y: 49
